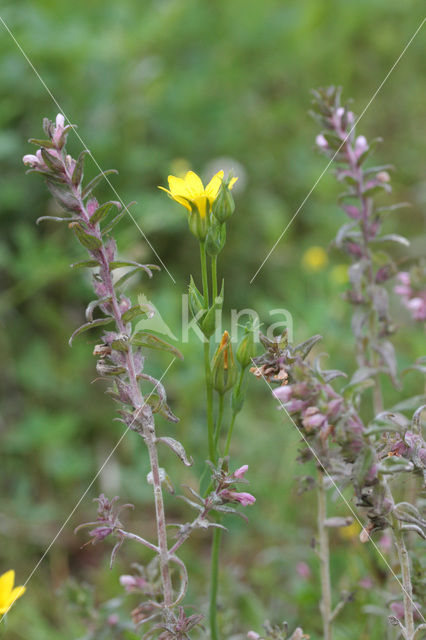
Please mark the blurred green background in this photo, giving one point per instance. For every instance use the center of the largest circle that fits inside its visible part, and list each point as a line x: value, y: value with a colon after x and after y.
x: 158, y: 87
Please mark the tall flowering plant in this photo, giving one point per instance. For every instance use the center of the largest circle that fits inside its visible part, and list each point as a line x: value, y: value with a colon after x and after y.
x: 369, y: 456
x: 208, y: 209
x: 121, y: 362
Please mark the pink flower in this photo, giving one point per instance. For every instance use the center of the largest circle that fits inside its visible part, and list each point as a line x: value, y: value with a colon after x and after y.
x: 321, y: 141
x: 283, y: 393
x: 252, y: 635
x: 303, y: 570
x: 236, y: 496
x: 366, y: 582
x: 361, y: 145
x: 59, y: 128
x: 239, y: 473
x: 132, y: 583
x: 313, y: 419
x: 92, y: 205
x: 113, y: 620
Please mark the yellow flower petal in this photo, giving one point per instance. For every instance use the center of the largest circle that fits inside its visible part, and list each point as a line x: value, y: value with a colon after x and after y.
x: 7, y: 580
x: 201, y: 204
x: 232, y: 182
x: 178, y: 187
x: 183, y: 202
x: 193, y: 184
x: 214, y: 186
x: 17, y: 592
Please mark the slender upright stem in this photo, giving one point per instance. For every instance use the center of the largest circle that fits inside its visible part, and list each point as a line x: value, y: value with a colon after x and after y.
x: 404, y: 562
x: 219, y: 420
x: 214, y: 278
x: 209, y: 394
x: 204, y: 277
x: 214, y: 583
x: 234, y: 412
x: 324, y: 558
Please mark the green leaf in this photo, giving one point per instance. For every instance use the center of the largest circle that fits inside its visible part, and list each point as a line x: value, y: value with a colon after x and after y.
x: 86, y: 239
x: 77, y: 175
x: 93, y: 183
x: 117, y: 264
x: 92, y: 306
x: 134, y: 312
x: 51, y: 161
x: 84, y: 263
x: 392, y: 237
x: 90, y: 325
x: 117, y: 218
x: 64, y: 197
x: 151, y: 341
x: 56, y: 219
x: 102, y: 211
x: 47, y: 144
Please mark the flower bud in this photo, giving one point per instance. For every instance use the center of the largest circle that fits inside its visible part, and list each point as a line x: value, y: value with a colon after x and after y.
x: 224, y: 205
x: 246, y: 350
x: 216, y: 237
x: 224, y: 369
x: 198, y: 225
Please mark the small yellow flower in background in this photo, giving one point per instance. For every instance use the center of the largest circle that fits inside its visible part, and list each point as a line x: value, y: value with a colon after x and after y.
x: 351, y: 532
x: 339, y: 274
x: 314, y: 259
x: 8, y: 594
x: 190, y: 191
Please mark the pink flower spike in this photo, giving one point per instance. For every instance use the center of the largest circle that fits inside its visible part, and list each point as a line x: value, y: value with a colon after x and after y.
x: 239, y: 473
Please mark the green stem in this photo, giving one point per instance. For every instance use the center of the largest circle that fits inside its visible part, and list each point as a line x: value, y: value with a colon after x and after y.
x: 234, y: 412
x: 204, y: 273
x: 214, y: 278
x: 231, y: 428
x: 214, y: 579
x: 209, y: 394
x: 219, y: 421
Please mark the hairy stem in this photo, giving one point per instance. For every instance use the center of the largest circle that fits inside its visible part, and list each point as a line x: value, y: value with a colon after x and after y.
x: 404, y: 562
x: 324, y: 558
x: 141, y: 409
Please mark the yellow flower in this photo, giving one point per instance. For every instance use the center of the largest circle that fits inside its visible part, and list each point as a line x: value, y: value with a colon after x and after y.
x: 339, y: 274
x: 351, y: 532
x: 314, y: 259
x: 8, y: 594
x: 190, y: 191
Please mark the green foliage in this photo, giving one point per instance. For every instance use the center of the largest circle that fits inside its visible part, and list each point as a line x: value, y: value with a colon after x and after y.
x: 158, y: 85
